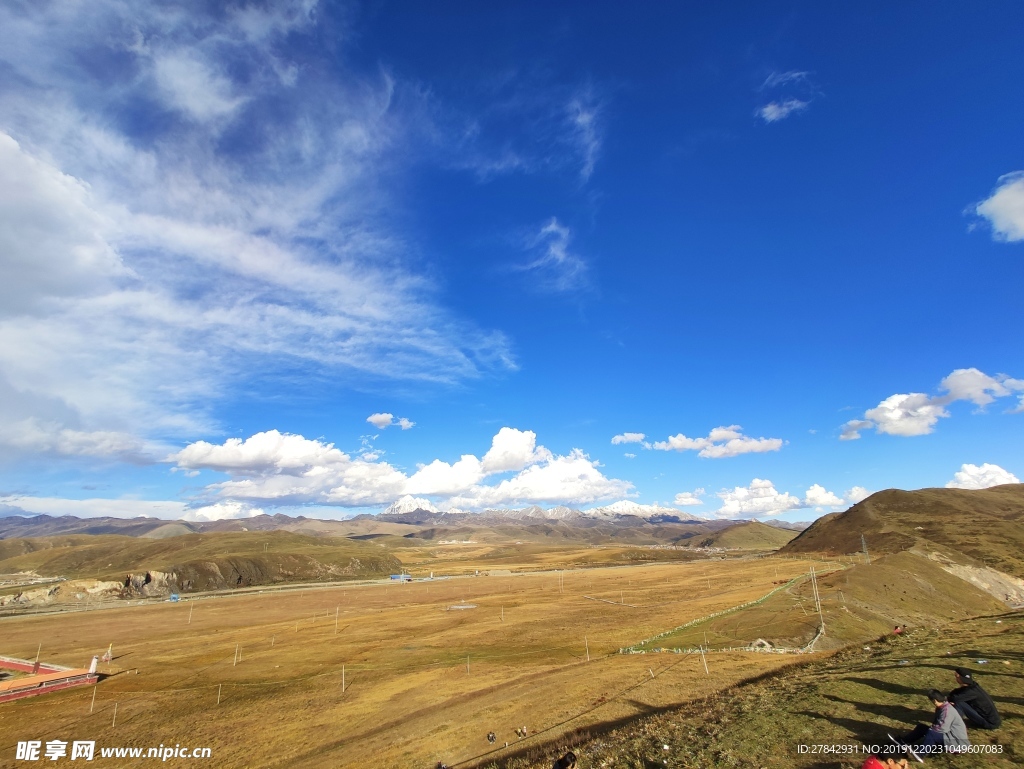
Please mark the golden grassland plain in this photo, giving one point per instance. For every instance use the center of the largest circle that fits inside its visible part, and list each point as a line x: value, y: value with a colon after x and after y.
x: 422, y: 682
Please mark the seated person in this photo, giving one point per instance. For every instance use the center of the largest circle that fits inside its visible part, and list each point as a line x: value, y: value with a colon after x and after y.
x: 947, y: 728
x: 972, y: 702
x: 872, y: 762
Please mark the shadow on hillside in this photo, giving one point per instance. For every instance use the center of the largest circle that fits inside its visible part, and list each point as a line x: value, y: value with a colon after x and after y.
x: 864, y: 732
x: 946, y: 668
x: 900, y: 713
x: 1009, y: 700
x: 886, y: 686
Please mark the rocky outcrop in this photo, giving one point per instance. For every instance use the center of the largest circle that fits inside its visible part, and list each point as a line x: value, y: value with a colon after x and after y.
x: 150, y: 584
x: 75, y: 592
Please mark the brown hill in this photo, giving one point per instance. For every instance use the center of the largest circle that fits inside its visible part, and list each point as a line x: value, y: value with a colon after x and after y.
x: 199, y: 561
x: 749, y: 535
x: 978, y: 528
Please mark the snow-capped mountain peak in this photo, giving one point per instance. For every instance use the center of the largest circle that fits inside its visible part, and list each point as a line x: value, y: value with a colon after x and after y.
x: 628, y: 507
x: 409, y: 504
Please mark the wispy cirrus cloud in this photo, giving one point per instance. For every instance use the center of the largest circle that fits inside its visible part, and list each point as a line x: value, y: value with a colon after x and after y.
x: 519, y: 122
x: 188, y: 202
x: 912, y: 414
x: 583, y: 113
x: 796, y: 92
x: 776, y: 79
x: 556, y: 268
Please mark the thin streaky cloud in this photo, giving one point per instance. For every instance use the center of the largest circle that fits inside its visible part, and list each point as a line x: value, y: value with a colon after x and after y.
x: 776, y: 79
x: 557, y: 269
x: 177, y: 267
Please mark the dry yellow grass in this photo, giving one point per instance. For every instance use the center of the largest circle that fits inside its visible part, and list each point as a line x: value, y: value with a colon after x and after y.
x: 410, y: 699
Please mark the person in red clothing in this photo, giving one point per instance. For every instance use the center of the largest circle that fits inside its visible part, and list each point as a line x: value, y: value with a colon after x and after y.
x: 890, y: 763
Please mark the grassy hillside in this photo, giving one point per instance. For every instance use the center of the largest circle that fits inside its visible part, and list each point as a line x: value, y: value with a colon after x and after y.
x: 984, y: 527
x: 852, y: 698
x: 858, y: 602
x: 200, y: 561
x: 749, y: 535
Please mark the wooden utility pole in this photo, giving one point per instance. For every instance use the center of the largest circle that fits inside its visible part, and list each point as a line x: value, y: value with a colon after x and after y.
x: 587, y: 644
x: 817, y: 599
x: 190, y: 608
x: 93, y: 703
x: 342, y: 679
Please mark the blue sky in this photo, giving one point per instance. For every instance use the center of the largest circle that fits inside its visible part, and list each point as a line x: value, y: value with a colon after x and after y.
x: 747, y: 260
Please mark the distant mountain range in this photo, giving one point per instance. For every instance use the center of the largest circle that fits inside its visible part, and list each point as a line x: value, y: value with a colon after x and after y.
x: 406, y: 517
x: 408, y: 504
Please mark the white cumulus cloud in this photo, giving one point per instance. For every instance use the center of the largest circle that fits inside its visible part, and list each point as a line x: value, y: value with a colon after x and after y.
x: 1004, y: 208
x: 628, y: 438
x: 221, y: 511
x: 571, y: 479
x: 279, y: 468
x: 759, y: 498
x: 689, y: 498
x: 513, y: 449
x: 267, y: 452
x: 856, y: 494
x: 442, y: 479
x: 852, y: 429
x: 818, y: 496
x: 385, y: 420
x: 719, y: 443
x: 981, y: 477
x: 780, y: 110
x: 910, y: 414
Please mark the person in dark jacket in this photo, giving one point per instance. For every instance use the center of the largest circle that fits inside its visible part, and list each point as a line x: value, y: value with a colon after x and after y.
x: 568, y: 761
x: 972, y: 702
